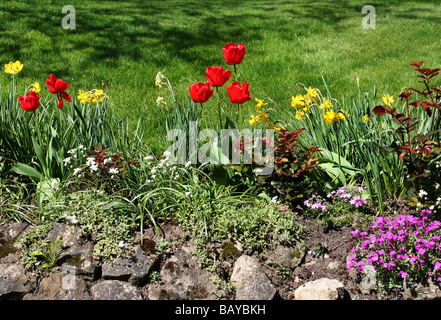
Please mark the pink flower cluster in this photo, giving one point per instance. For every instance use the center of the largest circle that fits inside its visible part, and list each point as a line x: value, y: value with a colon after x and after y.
x: 345, y: 193
x: 407, y: 245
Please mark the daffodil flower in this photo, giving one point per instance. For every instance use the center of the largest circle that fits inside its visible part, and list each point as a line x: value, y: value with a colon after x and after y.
x: 13, y: 67
x: 260, y: 103
x: 263, y: 116
x: 326, y: 104
x: 299, y: 101
x: 330, y: 116
x: 35, y: 87
x: 253, y: 120
x: 388, y: 100
x: 313, y: 94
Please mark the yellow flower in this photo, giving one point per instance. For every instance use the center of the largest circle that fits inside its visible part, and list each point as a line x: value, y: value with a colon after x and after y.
x: 272, y: 126
x: 313, y: 94
x: 253, y: 120
x: 35, y: 87
x: 365, y: 118
x: 299, y: 101
x: 13, y: 67
x: 388, y: 100
x: 263, y: 116
x: 342, y: 114
x: 260, y: 103
x: 83, y: 96
x: 97, y: 96
x: 300, y: 115
x: 330, y: 116
x: 326, y: 104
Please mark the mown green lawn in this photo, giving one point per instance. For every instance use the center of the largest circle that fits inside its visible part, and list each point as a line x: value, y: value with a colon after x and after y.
x: 126, y: 43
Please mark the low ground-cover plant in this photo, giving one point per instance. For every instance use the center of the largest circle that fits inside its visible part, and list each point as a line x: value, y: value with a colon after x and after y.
x: 339, y: 208
x: 405, y: 247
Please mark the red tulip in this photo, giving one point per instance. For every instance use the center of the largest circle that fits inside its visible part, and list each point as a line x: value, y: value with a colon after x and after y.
x: 237, y: 93
x: 200, y: 92
x: 217, y: 76
x: 233, y: 54
x: 31, y: 102
x: 58, y: 86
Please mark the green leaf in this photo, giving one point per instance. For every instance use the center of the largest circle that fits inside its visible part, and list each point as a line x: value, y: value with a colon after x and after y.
x: 26, y: 170
x: 39, y: 154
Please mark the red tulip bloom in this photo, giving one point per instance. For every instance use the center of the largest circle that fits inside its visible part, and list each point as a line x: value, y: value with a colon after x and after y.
x: 233, y: 54
x: 200, y: 92
x: 31, y: 102
x: 217, y: 76
x: 237, y: 93
x: 58, y: 87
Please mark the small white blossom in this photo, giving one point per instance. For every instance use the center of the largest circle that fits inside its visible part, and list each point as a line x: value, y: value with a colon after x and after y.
x: 67, y: 161
x: 113, y: 171
x: 55, y: 184
x: 76, y: 171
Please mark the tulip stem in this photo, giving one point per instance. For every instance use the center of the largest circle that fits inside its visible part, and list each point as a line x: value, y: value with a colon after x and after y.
x: 219, y: 108
x: 235, y: 71
x: 240, y: 117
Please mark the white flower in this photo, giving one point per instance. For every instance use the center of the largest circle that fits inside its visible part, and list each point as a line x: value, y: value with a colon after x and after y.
x: 158, y: 79
x: 188, y: 164
x: 160, y: 101
x: 55, y: 184
x: 90, y: 161
x: 107, y: 160
x: 153, y: 170
x: 76, y: 171
x: 121, y: 244
x: 71, y: 151
x: 94, y: 167
x: 148, y: 158
x: 188, y: 194
x: 422, y: 193
x: 113, y: 171
x: 67, y: 161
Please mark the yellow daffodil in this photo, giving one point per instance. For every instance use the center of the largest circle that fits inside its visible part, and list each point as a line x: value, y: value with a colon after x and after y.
x: 260, y: 103
x: 13, y: 67
x: 388, y: 100
x: 299, y: 102
x: 313, y: 94
x: 326, y: 104
x: 97, y: 96
x: 272, y: 126
x: 83, y: 96
x: 300, y: 115
x: 253, y: 120
x: 94, y: 96
x: 365, y: 118
x: 35, y: 87
x: 263, y: 116
x: 342, y: 114
x: 330, y: 116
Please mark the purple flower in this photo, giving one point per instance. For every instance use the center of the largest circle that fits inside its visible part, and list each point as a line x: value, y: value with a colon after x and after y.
x: 403, y: 274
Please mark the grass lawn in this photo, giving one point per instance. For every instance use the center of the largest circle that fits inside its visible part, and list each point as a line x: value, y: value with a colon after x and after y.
x: 126, y: 43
